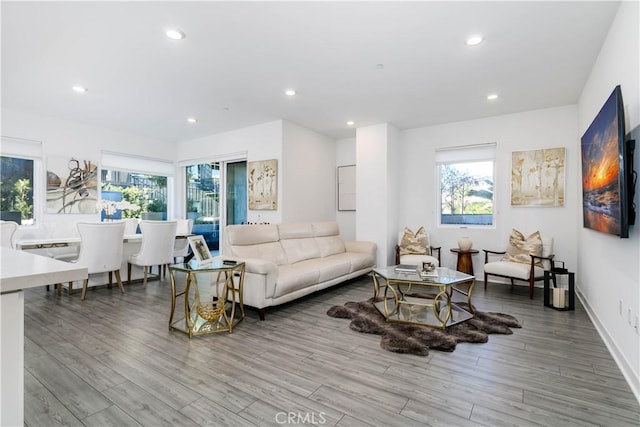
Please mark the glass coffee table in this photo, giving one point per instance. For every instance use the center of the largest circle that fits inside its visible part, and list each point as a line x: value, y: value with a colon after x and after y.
x: 407, y: 297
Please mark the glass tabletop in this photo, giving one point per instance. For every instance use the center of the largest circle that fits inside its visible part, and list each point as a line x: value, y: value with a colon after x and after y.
x: 441, y: 276
x: 214, y: 264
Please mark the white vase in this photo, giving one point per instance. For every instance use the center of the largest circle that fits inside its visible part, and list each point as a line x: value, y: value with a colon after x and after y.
x: 465, y: 243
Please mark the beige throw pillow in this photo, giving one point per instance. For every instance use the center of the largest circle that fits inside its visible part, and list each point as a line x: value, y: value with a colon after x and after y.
x: 520, y: 248
x: 415, y: 244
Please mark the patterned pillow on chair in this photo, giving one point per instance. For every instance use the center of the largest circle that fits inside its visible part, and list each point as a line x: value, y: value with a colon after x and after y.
x: 417, y: 243
x: 520, y: 248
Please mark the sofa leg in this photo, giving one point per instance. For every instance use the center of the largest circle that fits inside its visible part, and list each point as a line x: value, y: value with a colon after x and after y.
x: 485, y: 281
x: 261, y: 313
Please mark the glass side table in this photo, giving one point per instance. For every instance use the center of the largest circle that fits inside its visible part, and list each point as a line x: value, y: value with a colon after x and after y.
x: 212, y: 307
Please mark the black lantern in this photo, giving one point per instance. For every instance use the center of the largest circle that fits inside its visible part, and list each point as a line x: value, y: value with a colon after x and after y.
x: 559, y: 287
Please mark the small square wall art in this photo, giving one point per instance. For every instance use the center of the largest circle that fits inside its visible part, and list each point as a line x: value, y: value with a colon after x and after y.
x: 537, y: 177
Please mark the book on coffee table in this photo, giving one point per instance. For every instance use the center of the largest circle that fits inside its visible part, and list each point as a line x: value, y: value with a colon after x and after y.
x: 406, y: 268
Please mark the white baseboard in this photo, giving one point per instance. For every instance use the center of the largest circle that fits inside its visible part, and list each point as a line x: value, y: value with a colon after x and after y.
x: 632, y: 377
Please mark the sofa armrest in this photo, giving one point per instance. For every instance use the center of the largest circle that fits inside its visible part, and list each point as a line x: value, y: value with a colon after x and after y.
x: 256, y: 265
x: 361, y: 246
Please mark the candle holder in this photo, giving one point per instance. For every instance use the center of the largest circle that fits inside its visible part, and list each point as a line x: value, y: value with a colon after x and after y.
x: 560, y: 296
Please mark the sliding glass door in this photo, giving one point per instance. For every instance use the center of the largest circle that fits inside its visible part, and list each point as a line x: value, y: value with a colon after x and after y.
x: 236, y: 196
x: 216, y: 195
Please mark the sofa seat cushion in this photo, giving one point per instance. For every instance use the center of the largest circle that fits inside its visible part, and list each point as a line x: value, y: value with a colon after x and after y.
x: 292, y: 277
x: 332, y: 266
x: 512, y: 269
x: 359, y: 261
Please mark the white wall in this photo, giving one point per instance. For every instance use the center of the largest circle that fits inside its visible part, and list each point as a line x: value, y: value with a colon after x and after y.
x: 376, y: 192
x: 259, y: 142
x: 608, y: 266
x: 71, y: 139
x: 548, y: 128
x: 346, y: 156
x: 306, y: 166
x: 308, y: 175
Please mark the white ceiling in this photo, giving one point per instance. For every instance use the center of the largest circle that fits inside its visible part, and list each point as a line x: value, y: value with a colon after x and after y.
x: 238, y: 58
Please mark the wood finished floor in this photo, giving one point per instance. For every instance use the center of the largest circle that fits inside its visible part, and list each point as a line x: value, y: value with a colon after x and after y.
x: 111, y: 361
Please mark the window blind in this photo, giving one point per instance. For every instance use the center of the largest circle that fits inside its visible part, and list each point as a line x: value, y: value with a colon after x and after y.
x: 140, y: 164
x: 466, y: 153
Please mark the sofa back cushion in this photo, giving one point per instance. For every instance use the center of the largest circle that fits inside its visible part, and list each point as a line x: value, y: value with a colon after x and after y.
x: 252, y: 234
x: 300, y: 249
x: 298, y: 242
x: 295, y: 230
x: 323, y: 229
x: 328, y: 238
x: 255, y: 241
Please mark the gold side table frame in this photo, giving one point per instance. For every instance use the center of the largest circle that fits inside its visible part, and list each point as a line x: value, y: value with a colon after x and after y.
x: 209, y: 316
x: 408, y: 298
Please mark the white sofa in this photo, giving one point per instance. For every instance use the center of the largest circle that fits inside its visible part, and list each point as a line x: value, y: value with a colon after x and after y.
x: 287, y: 261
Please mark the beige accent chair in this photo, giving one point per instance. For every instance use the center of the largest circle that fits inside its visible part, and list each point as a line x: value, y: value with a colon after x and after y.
x: 158, y: 238
x: 418, y: 259
x: 529, y: 272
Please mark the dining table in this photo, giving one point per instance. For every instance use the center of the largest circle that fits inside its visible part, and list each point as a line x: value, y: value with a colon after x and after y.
x: 131, y: 242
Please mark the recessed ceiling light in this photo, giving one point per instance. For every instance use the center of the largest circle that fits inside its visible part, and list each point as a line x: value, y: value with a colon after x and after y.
x: 79, y: 89
x: 492, y: 96
x: 192, y: 120
x: 351, y: 123
x: 290, y: 92
x: 474, y: 40
x: 175, y: 34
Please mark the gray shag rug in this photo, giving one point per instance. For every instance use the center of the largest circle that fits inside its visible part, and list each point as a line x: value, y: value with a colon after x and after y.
x: 418, y: 340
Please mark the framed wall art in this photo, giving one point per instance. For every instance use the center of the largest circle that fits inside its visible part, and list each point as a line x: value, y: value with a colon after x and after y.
x: 72, y: 186
x: 347, y: 188
x: 537, y: 177
x: 262, y: 177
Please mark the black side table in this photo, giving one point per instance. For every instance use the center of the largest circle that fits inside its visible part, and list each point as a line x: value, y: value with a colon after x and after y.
x: 565, y: 298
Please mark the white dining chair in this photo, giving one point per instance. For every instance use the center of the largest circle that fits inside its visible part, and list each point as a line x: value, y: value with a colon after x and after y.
x: 181, y: 246
x: 131, y: 226
x: 7, y: 231
x: 101, y: 250
x: 158, y: 238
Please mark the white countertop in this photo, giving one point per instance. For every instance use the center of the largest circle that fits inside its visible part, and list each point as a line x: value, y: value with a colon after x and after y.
x: 22, y: 270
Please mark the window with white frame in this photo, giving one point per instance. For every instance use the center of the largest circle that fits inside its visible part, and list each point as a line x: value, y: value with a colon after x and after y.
x: 465, y: 180
x: 135, y: 187
x: 20, y: 183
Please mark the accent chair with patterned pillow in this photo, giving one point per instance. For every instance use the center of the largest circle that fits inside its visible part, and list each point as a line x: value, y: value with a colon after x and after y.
x: 520, y: 248
x: 415, y: 248
x: 526, y: 258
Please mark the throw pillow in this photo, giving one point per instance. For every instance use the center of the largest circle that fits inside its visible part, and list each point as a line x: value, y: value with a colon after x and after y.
x: 415, y: 244
x: 520, y: 248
